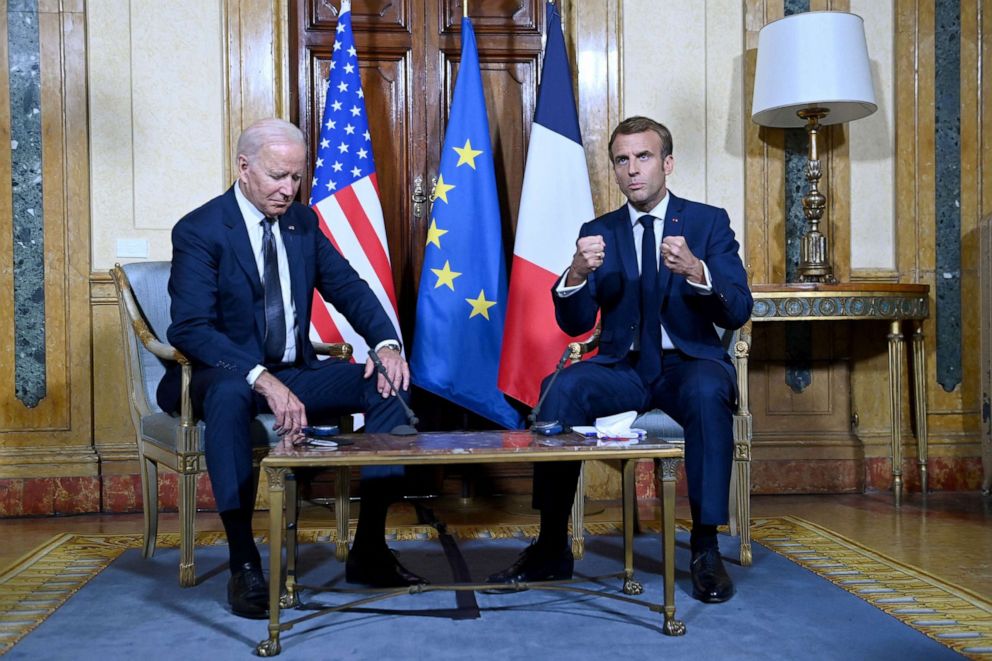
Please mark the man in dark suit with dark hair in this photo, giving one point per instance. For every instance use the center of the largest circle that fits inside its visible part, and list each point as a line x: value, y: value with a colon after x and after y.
x: 244, y: 268
x: 661, y: 272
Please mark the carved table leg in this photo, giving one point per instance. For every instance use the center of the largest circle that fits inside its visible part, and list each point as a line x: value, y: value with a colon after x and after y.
x: 630, y: 586
x: 292, y: 597
x: 920, y: 401
x: 342, y: 511
x: 276, y: 477
x: 896, y: 357
x: 672, y: 627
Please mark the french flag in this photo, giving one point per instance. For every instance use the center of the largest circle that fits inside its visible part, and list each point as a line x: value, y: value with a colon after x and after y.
x: 555, y: 201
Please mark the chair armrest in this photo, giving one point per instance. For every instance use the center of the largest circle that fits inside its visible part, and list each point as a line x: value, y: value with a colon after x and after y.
x: 579, y: 349
x: 340, y: 350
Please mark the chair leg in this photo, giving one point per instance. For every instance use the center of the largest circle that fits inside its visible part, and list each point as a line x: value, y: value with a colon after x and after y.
x: 149, y: 495
x: 744, y: 510
x: 578, y: 515
x: 342, y: 511
x: 187, y: 519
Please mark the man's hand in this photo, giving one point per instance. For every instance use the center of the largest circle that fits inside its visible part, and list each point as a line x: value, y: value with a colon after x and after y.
x: 396, y: 368
x: 291, y: 416
x: 589, y: 254
x: 677, y: 258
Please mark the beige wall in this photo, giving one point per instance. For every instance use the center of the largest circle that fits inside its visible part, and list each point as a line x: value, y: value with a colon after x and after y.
x: 682, y: 65
x: 157, y: 126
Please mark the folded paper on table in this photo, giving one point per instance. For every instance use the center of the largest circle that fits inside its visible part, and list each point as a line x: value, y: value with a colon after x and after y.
x: 614, y: 429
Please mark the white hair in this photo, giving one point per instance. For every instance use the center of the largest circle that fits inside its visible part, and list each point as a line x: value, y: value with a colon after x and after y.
x: 268, y: 131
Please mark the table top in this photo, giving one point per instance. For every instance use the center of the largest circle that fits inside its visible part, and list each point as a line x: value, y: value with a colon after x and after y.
x: 463, y: 447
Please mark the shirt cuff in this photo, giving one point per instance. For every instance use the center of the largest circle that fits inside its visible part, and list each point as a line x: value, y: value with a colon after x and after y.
x: 253, y: 375
x: 707, y: 286
x: 563, y: 290
x: 387, y: 343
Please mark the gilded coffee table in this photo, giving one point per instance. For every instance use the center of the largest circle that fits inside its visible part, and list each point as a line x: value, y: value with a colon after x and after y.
x: 460, y: 448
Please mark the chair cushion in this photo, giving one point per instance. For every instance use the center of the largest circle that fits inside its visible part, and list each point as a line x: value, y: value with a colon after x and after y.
x: 161, y: 429
x: 659, y: 424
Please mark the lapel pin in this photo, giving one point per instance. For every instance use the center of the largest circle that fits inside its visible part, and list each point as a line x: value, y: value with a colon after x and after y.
x: 291, y: 227
x: 675, y: 220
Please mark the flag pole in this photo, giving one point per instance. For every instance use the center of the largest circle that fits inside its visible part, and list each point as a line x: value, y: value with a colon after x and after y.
x: 464, y: 8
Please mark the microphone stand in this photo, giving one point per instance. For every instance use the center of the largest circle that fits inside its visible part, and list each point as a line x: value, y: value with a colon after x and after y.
x: 398, y: 430
x: 532, y: 417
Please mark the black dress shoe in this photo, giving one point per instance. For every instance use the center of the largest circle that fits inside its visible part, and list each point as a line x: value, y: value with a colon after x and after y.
x: 379, y: 569
x: 710, y: 582
x: 248, y: 592
x: 536, y: 564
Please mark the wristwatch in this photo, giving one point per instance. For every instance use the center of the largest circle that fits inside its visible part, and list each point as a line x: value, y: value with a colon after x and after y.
x: 391, y: 344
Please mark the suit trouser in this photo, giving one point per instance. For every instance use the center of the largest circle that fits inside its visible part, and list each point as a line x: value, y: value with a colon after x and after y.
x: 699, y: 394
x: 227, y: 405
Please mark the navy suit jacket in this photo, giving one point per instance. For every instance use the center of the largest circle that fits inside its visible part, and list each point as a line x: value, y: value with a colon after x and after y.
x: 687, y: 314
x: 218, y: 305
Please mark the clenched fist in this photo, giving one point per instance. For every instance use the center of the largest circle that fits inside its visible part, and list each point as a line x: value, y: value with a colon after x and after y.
x: 589, y: 254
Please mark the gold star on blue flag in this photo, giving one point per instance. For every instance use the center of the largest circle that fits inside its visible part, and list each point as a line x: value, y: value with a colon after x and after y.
x: 461, y: 304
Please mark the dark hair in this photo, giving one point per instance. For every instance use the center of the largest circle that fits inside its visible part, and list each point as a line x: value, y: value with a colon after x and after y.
x: 640, y: 124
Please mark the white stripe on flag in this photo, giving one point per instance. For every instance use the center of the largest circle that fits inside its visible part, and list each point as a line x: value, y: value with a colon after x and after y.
x: 555, y: 200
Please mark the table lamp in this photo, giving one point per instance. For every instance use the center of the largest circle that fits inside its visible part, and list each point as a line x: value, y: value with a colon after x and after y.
x: 813, y: 70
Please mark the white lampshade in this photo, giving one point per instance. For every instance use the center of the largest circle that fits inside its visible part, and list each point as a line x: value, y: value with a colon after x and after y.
x: 809, y: 60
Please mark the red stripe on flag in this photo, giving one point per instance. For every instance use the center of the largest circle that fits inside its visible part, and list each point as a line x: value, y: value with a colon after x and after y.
x: 370, y: 241
x: 532, y: 341
x: 324, y: 323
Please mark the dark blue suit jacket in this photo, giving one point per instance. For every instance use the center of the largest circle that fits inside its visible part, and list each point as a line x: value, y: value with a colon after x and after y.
x: 218, y: 307
x: 687, y: 314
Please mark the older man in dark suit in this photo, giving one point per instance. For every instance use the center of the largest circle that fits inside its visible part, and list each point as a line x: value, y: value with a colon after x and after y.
x: 660, y: 272
x: 244, y: 269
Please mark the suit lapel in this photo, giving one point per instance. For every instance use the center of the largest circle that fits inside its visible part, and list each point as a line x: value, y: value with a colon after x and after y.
x: 673, y: 226
x: 289, y: 228
x: 237, y: 236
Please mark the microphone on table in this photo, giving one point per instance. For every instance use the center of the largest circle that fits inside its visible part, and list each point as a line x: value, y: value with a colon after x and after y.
x: 398, y: 430
x: 551, y: 427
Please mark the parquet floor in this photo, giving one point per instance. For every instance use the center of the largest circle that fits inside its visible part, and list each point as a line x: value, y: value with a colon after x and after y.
x: 948, y: 534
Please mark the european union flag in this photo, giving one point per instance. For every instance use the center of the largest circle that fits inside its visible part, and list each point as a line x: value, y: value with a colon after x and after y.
x: 462, y: 299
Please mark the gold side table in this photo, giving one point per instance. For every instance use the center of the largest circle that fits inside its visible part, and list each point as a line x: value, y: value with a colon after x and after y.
x: 894, y: 303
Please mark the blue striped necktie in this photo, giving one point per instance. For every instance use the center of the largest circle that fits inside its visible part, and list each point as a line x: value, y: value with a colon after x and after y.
x: 275, y: 313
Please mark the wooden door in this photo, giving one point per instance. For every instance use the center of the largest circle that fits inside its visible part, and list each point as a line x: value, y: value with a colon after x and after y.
x: 409, y: 51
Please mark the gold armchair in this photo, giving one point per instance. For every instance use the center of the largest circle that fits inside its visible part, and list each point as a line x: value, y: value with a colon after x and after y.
x: 658, y: 424
x: 175, y: 442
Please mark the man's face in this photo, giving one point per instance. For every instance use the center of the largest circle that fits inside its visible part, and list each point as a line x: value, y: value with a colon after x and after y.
x: 271, y: 179
x: 639, y: 168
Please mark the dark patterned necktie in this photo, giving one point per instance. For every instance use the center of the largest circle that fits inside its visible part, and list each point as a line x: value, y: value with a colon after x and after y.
x: 275, y: 313
x: 649, y: 364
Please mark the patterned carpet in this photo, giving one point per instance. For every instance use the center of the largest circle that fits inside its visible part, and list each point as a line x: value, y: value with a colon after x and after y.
x: 955, y: 617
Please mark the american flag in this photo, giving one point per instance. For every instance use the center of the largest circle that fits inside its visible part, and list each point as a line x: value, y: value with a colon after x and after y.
x: 345, y: 192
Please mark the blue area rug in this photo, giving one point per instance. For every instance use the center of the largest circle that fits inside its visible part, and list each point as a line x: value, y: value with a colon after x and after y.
x: 134, y: 608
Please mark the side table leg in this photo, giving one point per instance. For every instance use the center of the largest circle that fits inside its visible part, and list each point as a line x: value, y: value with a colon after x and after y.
x: 276, y: 477
x: 920, y: 400
x: 896, y: 357
x: 672, y: 627
x: 630, y: 586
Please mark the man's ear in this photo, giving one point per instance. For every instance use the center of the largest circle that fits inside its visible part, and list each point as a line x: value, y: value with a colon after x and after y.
x: 669, y: 164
